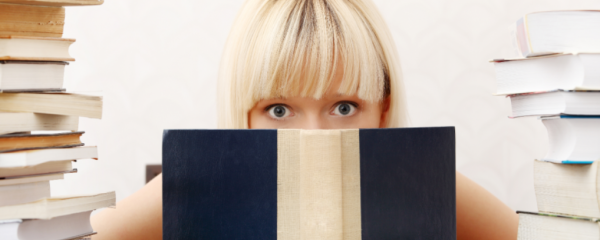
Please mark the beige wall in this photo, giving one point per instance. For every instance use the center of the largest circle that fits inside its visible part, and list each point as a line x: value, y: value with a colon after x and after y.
x: 156, y: 65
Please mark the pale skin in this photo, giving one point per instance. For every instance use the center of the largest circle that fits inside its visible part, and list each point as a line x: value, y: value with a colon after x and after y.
x: 480, y: 215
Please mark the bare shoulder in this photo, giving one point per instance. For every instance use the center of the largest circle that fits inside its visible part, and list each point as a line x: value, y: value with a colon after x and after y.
x: 138, y: 216
x: 480, y: 215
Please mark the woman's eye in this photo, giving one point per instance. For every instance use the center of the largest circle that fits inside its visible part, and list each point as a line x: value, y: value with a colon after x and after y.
x: 344, y: 109
x: 279, y: 111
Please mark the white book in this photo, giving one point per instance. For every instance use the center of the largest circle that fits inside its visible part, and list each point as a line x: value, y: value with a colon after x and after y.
x: 546, y: 73
x: 27, y: 122
x: 558, y: 32
x: 556, y: 103
x: 31, y: 179
x: 24, y: 193
x: 573, y: 139
x: 18, y: 76
x: 539, y: 226
x: 54, y: 167
x: 35, y: 48
x: 57, y: 206
x: 35, y: 157
x: 64, y: 227
x: 568, y: 189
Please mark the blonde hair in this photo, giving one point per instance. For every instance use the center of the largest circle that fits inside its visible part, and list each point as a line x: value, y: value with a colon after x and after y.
x: 286, y: 48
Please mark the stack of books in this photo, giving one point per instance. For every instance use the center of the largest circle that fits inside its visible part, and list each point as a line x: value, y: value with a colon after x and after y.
x: 557, y: 78
x: 39, y: 135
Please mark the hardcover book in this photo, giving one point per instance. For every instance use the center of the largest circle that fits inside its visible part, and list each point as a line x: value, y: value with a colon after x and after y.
x: 53, y: 103
x: 552, y: 103
x: 35, y: 48
x: 309, y: 184
x: 27, y: 20
x: 13, y: 122
x: 549, y: 32
x: 30, y: 76
x: 568, y: 189
x: 543, y: 226
x: 61, y: 3
x: 72, y: 226
x: 547, y: 73
x: 573, y: 139
x: 16, y: 142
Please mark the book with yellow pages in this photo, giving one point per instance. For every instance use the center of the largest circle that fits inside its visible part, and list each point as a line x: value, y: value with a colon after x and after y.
x: 14, y: 142
x: 13, y: 122
x: 29, y: 20
x: 53, y: 103
x: 63, y: 3
x: 48, y: 208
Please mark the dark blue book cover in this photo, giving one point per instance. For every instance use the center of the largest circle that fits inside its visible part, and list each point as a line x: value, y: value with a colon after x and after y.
x: 243, y: 184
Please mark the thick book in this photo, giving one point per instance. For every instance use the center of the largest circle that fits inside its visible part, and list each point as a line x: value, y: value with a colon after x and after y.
x: 27, y: 20
x: 53, y: 103
x: 13, y: 122
x: 30, y: 179
x: 568, y: 189
x: 61, y: 3
x: 29, y: 76
x: 35, y: 48
x: 44, y: 169
x: 14, y: 142
x: 72, y: 226
x: 542, y: 33
x: 23, y: 193
x: 573, y: 139
x: 48, y: 208
x: 309, y: 184
x: 546, y: 73
x: 554, y: 103
x: 543, y: 226
x: 28, y: 158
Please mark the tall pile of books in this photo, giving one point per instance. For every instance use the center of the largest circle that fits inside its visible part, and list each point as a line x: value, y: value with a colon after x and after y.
x: 557, y: 79
x: 39, y: 135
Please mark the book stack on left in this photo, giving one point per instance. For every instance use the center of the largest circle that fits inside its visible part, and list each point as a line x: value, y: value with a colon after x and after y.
x: 557, y: 79
x: 39, y: 134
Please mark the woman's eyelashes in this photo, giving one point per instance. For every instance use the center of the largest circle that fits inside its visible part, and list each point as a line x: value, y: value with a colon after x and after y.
x: 344, y: 109
x: 278, y: 111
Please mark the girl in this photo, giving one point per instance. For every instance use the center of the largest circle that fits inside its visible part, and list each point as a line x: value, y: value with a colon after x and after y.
x: 310, y: 64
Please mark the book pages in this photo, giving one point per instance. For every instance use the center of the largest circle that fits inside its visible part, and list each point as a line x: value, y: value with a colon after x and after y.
x: 535, y: 227
x: 567, y: 188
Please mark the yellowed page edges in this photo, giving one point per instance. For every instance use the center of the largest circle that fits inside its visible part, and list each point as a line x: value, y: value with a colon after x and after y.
x: 559, y: 186
x: 351, y: 184
x: 288, y: 184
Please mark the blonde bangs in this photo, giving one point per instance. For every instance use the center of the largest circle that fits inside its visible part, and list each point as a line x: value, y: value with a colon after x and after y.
x: 295, y: 47
x: 290, y: 48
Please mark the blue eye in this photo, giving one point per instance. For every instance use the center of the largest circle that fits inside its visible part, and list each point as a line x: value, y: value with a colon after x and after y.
x: 279, y: 111
x: 344, y: 109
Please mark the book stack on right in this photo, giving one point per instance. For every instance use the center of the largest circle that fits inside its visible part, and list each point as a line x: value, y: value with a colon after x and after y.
x: 557, y: 79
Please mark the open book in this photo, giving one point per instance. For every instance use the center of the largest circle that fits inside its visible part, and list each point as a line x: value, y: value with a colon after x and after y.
x: 309, y: 184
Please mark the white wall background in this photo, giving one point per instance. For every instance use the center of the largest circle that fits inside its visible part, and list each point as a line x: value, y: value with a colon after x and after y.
x: 155, y: 63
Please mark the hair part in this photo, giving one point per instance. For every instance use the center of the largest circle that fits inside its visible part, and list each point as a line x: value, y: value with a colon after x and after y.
x: 291, y: 48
